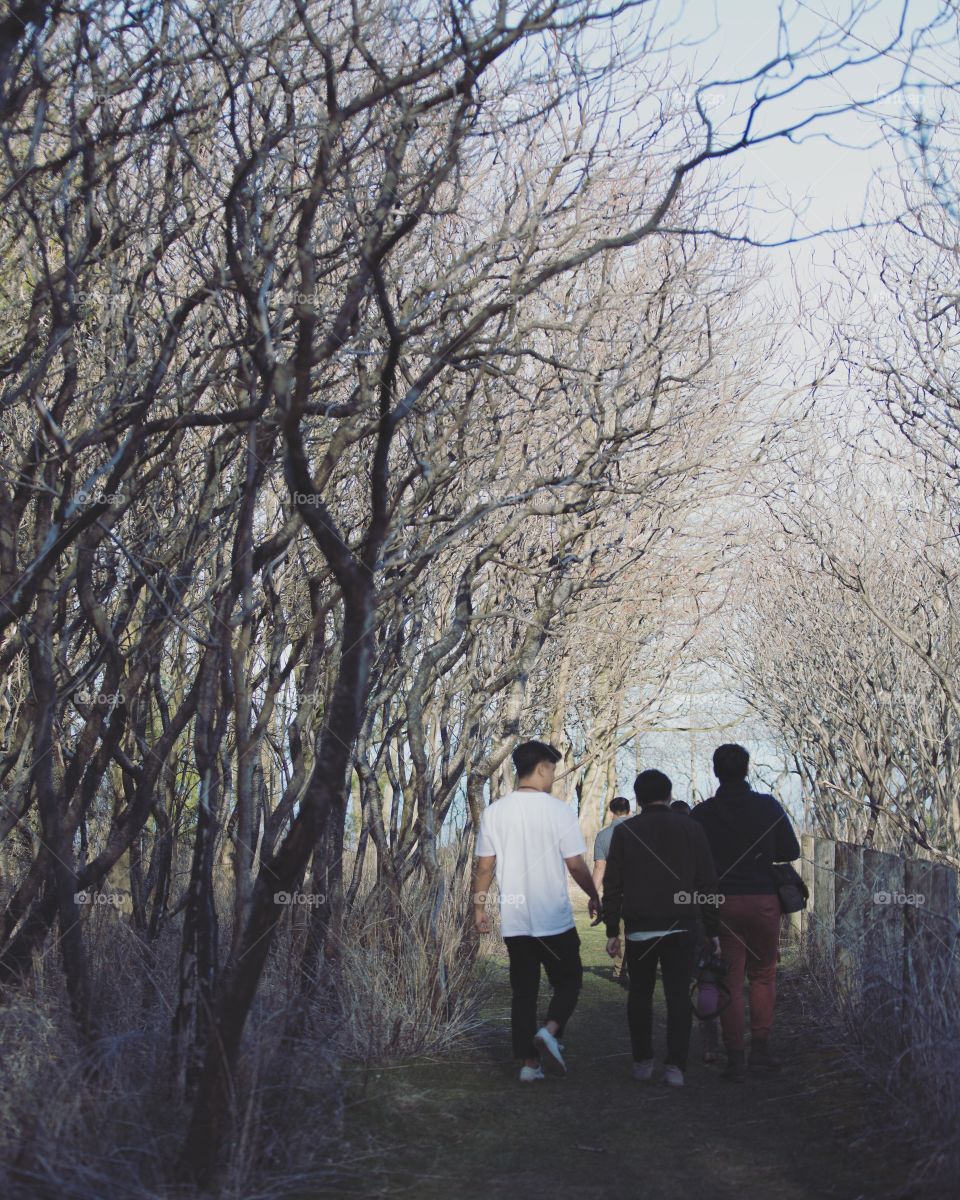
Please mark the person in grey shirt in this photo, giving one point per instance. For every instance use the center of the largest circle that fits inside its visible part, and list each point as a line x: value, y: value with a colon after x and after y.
x: 619, y: 808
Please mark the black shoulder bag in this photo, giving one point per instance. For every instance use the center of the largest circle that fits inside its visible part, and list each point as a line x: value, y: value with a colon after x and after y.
x: 791, y: 889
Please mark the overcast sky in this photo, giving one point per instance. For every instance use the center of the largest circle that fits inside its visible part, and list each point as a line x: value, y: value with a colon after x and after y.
x: 827, y: 182
x: 824, y: 182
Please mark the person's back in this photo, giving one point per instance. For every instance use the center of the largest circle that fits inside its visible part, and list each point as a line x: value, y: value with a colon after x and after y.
x: 532, y: 833
x: 530, y: 840
x: 747, y: 832
x: 662, y: 860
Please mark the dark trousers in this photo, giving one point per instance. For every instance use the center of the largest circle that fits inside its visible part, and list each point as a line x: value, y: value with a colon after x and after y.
x: 676, y: 954
x: 559, y: 954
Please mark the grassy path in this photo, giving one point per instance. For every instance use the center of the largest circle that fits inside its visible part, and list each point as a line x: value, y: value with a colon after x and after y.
x: 464, y: 1127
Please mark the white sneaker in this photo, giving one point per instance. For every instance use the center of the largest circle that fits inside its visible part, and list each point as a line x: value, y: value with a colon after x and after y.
x: 643, y: 1070
x: 551, y: 1055
x: 672, y: 1075
x: 530, y: 1074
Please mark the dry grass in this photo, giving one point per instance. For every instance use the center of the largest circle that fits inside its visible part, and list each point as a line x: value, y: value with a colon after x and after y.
x: 409, y: 983
x: 897, y: 1011
x: 102, y: 1120
x: 79, y: 1121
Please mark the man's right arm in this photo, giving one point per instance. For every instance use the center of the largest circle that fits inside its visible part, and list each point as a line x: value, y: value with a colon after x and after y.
x: 482, y: 879
x: 705, y: 882
x: 486, y: 865
x: 578, y: 869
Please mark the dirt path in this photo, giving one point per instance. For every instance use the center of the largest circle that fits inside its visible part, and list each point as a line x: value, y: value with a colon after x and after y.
x: 465, y: 1128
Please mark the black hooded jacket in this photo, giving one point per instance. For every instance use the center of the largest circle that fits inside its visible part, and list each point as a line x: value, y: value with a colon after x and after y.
x: 747, y: 831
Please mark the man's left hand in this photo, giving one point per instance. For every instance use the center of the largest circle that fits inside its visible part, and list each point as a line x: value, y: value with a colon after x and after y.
x: 594, y: 908
x: 613, y: 947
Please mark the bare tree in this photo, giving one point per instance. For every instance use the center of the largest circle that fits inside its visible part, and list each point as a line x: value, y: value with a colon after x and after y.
x: 351, y: 358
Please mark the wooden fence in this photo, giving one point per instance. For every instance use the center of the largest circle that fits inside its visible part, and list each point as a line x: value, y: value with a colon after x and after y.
x: 885, y: 927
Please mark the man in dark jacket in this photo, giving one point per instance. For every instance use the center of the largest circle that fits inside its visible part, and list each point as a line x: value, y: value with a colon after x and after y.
x: 659, y: 876
x: 747, y: 831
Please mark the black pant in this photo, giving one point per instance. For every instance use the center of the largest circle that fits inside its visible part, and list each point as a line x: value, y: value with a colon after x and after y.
x: 559, y: 953
x: 676, y: 953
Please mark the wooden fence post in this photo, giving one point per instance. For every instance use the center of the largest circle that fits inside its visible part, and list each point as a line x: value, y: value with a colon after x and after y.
x: 848, y: 922
x: 883, y: 933
x: 824, y: 903
x: 883, y: 947
x: 807, y: 850
x: 930, y: 934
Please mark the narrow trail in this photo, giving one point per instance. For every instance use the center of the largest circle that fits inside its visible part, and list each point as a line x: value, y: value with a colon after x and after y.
x: 465, y: 1127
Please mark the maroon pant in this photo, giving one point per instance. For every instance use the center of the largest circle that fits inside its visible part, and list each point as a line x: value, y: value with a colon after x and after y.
x: 749, y: 940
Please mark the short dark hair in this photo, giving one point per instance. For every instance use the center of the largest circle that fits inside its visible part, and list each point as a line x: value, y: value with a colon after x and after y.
x: 619, y: 804
x: 681, y: 806
x: 528, y: 754
x: 731, y: 762
x: 651, y: 786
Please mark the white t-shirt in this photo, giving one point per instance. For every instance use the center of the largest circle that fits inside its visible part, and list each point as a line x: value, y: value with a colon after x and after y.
x: 531, y: 833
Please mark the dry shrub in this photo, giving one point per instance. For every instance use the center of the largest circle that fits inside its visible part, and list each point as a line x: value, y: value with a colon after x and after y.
x: 896, y: 1003
x: 101, y: 1120
x: 410, y: 982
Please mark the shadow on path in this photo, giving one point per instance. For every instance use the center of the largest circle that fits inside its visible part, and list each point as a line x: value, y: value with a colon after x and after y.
x: 465, y: 1128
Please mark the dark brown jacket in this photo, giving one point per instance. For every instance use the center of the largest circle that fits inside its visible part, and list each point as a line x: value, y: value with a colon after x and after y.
x: 659, y: 874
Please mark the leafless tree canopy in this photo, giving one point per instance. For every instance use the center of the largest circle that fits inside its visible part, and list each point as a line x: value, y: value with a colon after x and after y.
x: 373, y: 377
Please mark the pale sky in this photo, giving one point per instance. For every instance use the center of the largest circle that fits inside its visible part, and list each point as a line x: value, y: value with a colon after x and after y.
x: 821, y: 183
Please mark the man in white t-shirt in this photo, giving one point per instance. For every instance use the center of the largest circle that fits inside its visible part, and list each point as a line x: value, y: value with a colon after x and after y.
x: 532, y: 839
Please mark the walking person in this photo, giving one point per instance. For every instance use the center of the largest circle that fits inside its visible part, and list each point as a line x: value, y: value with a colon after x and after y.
x: 710, y: 1026
x: 530, y: 839
x: 747, y: 831
x: 619, y: 809
x: 659, y: 876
